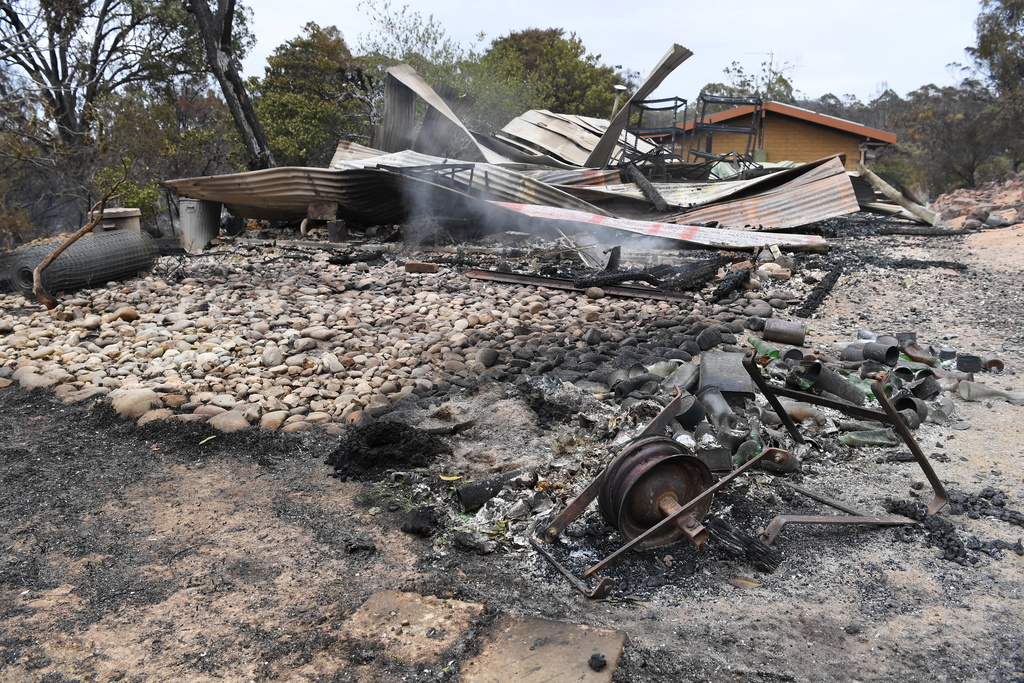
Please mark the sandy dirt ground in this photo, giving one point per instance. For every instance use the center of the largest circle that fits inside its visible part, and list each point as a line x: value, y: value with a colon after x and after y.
x: 172, y: 552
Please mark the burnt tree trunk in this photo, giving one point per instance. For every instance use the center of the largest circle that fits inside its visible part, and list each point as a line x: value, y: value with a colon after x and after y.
x: 215, y: 29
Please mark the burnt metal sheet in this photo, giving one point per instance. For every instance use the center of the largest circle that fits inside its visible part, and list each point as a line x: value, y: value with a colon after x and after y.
x: 824, y: 191
x: 437, y: 131
x: 568, y: 138
x: 599, y: 127
x: 716, y: 238
x: 405, y: 75
x: 692, y: 194
x: 675, y: 194
x: 276, y: 193
x: 363, y: 190
x: 350, y: 151
x: 588, y: 177
x: 517, y: 152
x: 562, y: 140
x: 725, y: 371
x: 367, y: 195
x: 371, y: 196
x: 676, y: 55
x: 400, y: 121
x: 487, y: 181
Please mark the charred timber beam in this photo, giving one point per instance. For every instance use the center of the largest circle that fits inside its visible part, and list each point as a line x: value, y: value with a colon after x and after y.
x: 559, y: 283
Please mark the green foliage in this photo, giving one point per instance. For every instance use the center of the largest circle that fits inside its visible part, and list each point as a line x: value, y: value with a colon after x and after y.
x: 402, y: 35
x: 129, y: 194
x: 999, y: 51
x: 554, y: 72
x: 303, y: 98
x: 15, y: 222
x: 78, y: 73
x: 15, y: 170
x: 949, y: 137
x: 883, y: 112
x: 180, y: 130
x: 999, y: 54
x: 954, y: 132
x: 76, y: 52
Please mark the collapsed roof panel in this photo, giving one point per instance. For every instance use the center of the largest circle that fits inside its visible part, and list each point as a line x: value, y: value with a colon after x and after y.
x: 577, y: 177
x: 350, y: 151
x: 437, y: 129
x: 570, y: 139
x: 691, y: 234
x: 273, y: 194
x: 691, y: 195
x: 402, y: 84
x: 563, y: 141
x: 373, y: 187
x: 486, y: 180
x: 516, y: 152
x: 363, y: 189
x: 823, y: 191
x: 676, y: 194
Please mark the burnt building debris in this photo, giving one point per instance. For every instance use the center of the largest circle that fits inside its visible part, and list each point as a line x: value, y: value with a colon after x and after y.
x: 713, y: 410
x: 659, y: 488
x: 614, y: 169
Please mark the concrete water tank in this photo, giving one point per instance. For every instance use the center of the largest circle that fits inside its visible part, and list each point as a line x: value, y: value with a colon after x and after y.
x: 119, y: 219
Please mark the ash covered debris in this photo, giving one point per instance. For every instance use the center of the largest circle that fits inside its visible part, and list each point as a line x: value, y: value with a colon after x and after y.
x: 366, y: 453
x: 941, y: 533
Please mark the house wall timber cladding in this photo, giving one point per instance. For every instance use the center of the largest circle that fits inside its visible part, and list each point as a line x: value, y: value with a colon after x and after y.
x: 795, y: 134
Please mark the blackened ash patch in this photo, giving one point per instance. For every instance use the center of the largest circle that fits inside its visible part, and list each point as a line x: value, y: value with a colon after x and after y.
x: 366, y: 453
x: 988, y: 502
x: 423, y: 521
x: 819, y: 294
x: 940, y: 532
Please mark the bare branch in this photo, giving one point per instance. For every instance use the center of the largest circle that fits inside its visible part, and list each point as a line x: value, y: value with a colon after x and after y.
x: 97, y: 210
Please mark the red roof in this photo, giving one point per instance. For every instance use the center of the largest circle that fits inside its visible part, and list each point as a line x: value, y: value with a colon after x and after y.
x: 804, y: 115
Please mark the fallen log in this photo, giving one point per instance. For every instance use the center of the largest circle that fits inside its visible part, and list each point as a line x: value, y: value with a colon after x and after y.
x: 922, y: 212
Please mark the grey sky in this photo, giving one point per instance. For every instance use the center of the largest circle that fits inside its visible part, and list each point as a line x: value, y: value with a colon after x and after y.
x: 838, y: 47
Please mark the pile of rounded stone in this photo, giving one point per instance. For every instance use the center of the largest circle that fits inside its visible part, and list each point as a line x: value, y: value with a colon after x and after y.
x: 295, y: 345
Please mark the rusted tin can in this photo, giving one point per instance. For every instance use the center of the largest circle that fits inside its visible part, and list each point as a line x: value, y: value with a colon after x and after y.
x: 784, y: 332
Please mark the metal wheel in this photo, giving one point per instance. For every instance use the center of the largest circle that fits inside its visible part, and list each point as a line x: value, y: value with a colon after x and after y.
x: 647, y: 476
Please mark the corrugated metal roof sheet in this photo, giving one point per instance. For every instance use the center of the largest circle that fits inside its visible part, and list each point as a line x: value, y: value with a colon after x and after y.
x: 824, y: 191
x: 695, y: 193
x: 570, y: 139
x: 577, y: 177
x: 691, y: 234
x: 566, y: 142
x: 350, y: 151
x: 486, y: 180
x: 363, y: 190
x: 676, y: 194
x: 403, y: 82
x: 366, y: 191
x: 274, y: 193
